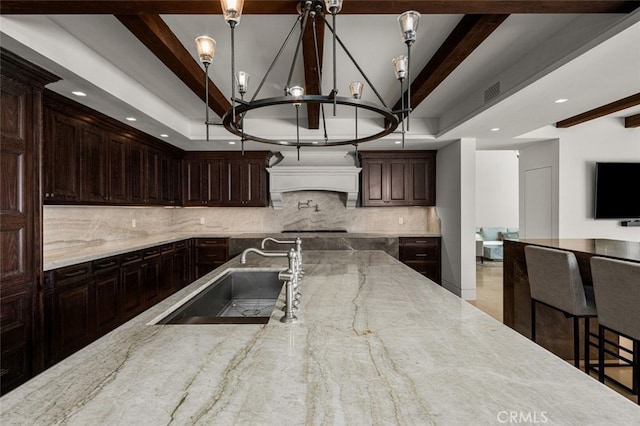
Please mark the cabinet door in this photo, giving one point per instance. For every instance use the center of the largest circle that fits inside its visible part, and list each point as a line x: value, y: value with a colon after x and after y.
x: 93, y: 166
x: 166, y: 274
x: 214, y: 182
x: 136, y: 176
x: 106, y: 278
x: 423, y: 175
x: 117, y: 174
x: 151, y: 276
x: 61, y: 157
x: 153, y: 176
x: 132, y: 296
x: 181, y: 265
x: 195, y: 182
x: 70, y: 316
x: 373, y: 182
x: 397, y: 182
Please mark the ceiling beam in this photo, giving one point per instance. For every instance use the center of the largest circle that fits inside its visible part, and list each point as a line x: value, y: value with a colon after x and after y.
x: 123, y: 7
x: 628, y: 102
x: 154, y: 33
x: 632, y: 121
x: 470, y: 32
x: 311, y: 71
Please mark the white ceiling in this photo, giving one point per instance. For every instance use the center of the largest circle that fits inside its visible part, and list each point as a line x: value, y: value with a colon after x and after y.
x: 591, y: 60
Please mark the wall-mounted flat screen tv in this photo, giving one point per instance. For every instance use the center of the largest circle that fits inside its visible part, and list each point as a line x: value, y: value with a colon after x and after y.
x: 617, y: 191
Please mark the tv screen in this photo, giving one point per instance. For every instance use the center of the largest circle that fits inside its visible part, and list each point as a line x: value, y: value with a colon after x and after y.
x: 617, y: 191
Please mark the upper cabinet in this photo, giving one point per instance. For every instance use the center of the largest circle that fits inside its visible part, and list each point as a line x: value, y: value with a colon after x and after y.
x: 398, y: 178
x: 225, y: 179
x: 92, y: 159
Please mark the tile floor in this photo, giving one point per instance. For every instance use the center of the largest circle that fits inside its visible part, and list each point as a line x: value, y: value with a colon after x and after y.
x: 489, y: 300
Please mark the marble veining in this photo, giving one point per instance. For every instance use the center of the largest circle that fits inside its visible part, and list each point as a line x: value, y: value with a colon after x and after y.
x: 376, y: 343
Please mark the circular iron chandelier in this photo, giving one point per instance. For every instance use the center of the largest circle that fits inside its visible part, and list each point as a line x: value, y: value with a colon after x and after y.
x: 309, y: 11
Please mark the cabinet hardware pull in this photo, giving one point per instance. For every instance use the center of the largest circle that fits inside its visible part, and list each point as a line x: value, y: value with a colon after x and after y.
x: 421, y: 241
x: 421, y: 255
x: 106, y: 264
x: 75, y: 274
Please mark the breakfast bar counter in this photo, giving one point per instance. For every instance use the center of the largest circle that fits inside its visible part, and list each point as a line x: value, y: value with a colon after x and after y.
x: 376, y: 343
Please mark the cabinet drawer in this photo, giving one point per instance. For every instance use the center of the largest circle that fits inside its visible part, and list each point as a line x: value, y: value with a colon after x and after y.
x: 150, y: 252
x: 108, y: 264
x: 72, y: 274
x: 211, y: 255
x: 131, y: 257
x: 211, y: 242
x: 422, y: 241
x: 418, y: 252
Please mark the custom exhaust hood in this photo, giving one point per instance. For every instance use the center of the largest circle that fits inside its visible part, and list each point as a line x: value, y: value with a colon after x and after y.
x: 315, y: 171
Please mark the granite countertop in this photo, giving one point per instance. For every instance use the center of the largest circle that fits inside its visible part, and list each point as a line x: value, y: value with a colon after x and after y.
x: 376, y: 343
x: 74, y: 254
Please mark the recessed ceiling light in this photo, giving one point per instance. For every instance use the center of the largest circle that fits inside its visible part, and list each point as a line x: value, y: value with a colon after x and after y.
x: 232, y: 143
x: 495, y: 129
x: 130, y: 119
x: 164, y: 135
x: 78, y: 93
x: 315, y: 142
x: 561, y: 100
x: 398, y: 142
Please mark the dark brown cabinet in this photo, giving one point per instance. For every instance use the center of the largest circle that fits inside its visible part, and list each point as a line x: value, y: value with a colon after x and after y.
x: 182, y: 264
x: 106, y: 279
x: 117, y: 175
x: 202, y: 180
x: 68, y: 310
x: 246, y: 180
x: 392, y: 178
x: 131, y: 299
x: 61, y: 154
x: 422, y: 254
x: 226, y: 179
x: 92, y: 159
x: 209, y: 254
x: 93, y: 165
x: 21, y: 280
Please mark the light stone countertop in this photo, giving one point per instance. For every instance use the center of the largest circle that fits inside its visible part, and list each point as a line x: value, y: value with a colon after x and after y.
x: 89, y: 251
x: 376, y: 343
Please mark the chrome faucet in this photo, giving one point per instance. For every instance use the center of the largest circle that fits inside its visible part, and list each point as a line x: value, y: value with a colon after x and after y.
x: 243, y: 258
x: 291, y: 277
x: 297, y: 242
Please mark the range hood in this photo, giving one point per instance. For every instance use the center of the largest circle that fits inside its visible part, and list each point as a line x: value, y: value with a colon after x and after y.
x: 316, y: 171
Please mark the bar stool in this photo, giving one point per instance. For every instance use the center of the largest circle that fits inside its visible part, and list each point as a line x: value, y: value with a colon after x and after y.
x: 617, y: 289
x: 555, y: 281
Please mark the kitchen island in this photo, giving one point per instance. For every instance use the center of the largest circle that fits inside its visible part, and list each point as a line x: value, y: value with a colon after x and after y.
x: 376, y: 343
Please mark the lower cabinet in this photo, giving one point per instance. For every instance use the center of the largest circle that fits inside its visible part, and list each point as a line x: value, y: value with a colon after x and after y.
x: 422, y: 254
x: 209, y: 254
x: 84, y: 302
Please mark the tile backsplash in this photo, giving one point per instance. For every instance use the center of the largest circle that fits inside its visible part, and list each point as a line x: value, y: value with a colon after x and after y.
x: 66, y: 226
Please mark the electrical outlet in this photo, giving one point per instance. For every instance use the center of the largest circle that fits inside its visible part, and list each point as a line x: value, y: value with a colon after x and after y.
x: 400, y: 221
x: 202, y: 221
x: 133, y: 223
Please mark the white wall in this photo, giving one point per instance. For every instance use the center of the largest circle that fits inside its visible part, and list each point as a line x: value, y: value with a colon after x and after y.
x: 455, y: 199
x: 575, y: 152
x: 497, y: 189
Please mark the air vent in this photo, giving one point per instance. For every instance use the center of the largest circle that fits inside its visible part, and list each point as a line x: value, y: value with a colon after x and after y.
x: 492, y: 92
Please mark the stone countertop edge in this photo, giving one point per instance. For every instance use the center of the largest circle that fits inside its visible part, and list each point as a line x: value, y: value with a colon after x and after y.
x: 87, y: 252
x: 376, y: 343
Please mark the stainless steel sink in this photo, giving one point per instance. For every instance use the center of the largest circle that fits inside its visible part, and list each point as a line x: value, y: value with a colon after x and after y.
x: 238, y: 297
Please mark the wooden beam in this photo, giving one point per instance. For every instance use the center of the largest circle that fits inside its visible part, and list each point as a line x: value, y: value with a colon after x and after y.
x: 311, y: 71
x: 271, y: 7
x: 470, y: 32
x: 154, y: 33
x: 632, y: 121
x: 628, y: 102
